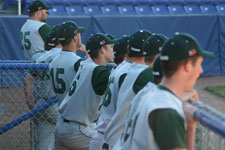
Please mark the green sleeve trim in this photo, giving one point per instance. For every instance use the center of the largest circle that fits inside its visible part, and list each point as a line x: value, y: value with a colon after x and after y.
x: 77, y: 64
x: 168, y: 129
x: 122, y: 77
x: 100, y: 79
x: 143, y: 78
x: 44, y: 30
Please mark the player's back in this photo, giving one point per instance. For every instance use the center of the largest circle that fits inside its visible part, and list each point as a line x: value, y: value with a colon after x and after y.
x: 110, y: 98
x: 31, y: 38
x: 125, y: 96
x: 62, y: 72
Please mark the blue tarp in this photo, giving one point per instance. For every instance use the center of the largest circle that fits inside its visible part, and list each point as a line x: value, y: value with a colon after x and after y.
x: 209, y: 30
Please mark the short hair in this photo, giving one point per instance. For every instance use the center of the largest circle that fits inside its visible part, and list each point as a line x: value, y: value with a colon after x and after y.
x: 66, y: 42
x: 150, y: 59
x: 31, y: 14
x: 119, y: 58
x: 47, y: 47
x: 170, y: 68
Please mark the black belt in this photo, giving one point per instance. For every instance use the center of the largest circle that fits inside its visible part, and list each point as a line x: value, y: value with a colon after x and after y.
x: 105, y: 146
x: 68, y: 121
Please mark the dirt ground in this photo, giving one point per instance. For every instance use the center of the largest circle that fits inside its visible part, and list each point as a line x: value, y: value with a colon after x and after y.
x: 207, y: 97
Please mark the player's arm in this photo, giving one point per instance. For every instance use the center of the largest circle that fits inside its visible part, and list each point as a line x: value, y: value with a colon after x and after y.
x: 44, y: 30
x: 28, y: 90
x: 77, y: 64
x: 168, y: 128
x: 100, y: 78
x: 144, y: 77
x: 83, y: 49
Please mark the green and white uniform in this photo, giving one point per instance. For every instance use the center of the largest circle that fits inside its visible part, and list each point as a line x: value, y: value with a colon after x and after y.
x: 157, y: 116
x: 109, y: 103
x: 80, y: 107
x: 63, y: 69
x: 135, y: 80
x: 33, y: 34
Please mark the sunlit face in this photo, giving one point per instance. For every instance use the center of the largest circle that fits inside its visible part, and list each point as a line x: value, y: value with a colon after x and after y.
x: 44, y: 14
x: 195, y: 71
x: 109, y: 55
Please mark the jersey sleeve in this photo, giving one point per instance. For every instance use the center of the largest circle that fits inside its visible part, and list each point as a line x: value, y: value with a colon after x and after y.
x: 168, y: 129
x: 77, y: 64
x: 122, y: 77
x: 144, y: 77
x: 100, y: 79
x: 44, y: 30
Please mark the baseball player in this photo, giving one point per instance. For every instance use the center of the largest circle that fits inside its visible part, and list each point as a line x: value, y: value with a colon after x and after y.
x: 120, y: 50
x: 80, y: 107
x: 63, y: 68
x: 138, y: 76
x: 163, y: 122
x: 35, y: 30
x: 43, y: 91
x: 157, y: 72
x: 111, y: 93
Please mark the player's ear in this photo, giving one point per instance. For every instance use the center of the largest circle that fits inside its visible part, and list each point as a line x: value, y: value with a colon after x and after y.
x: 188, y: 65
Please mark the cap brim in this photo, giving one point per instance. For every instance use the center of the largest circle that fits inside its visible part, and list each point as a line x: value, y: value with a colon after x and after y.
x: 113, y: 41
x: 48, y: 7
x: 81, y: 29
x: 207, y: 54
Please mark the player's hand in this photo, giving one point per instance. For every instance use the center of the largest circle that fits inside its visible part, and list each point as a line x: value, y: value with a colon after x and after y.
x: 190, y: 94
x: 83, y: 49
x: 189, y: 111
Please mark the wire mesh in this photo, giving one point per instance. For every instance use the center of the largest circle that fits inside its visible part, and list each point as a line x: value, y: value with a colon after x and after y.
x: 26, y: 118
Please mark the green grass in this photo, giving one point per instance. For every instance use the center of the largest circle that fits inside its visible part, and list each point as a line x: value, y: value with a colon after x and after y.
x: 217, y: 90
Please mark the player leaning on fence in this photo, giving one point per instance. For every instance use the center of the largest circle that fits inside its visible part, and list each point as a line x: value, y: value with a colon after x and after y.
x: 163, y: 122
x: 35, y: 30
x: 64, y: 67
x: 80, y: 107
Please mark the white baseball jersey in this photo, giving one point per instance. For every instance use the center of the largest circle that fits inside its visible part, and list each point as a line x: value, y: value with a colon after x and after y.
x: 37, y: 54
x: 62, y: 72
x: 125, y: 97
x: 30, y: 37
x: 141, y: 135
x: 81, y: 103
x: 48, y: 56
x: 138, y: 99
x: 110, y: 98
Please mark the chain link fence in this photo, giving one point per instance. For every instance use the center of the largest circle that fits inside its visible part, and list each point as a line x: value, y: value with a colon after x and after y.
x: 28, y: 111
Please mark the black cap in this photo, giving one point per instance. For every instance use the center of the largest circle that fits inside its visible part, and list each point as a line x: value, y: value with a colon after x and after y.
x: 37, y: 5
x: 136, y: 41
x: 69, y: 29
x: 121, y: 45
x: 96, y: 41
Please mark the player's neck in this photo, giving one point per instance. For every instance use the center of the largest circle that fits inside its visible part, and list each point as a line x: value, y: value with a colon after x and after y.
x: 137, y: 60
x: 174, y: 84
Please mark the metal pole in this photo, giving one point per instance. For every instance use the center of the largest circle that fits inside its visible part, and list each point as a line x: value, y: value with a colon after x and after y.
x: 19, y: 7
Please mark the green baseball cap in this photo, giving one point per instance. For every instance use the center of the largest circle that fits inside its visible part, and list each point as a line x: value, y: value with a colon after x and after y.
x: 68, y: 30
x: 182, y: 46
x: 110, y: 36
x: 37, y: 5
x: 153, y: 44
x: 137, y: 39
x: 52, y: 37
x: 120, y: 47
x: 157, y: 68
x: 96, y: 41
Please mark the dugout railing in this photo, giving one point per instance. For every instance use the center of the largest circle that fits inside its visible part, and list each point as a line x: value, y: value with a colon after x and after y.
x: 16, y: 118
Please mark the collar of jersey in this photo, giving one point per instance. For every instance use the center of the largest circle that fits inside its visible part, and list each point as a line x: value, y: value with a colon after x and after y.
x: 161, y: 87
x: 66, y: 50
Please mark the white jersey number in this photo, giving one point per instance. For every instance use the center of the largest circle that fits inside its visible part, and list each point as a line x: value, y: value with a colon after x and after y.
x: 25, y: 40
x: 55, y: 75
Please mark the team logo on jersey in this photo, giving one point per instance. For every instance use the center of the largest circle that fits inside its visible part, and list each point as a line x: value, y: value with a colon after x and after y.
x: 102, y: 42
x: 40, y: 8
x: 192, y: 52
